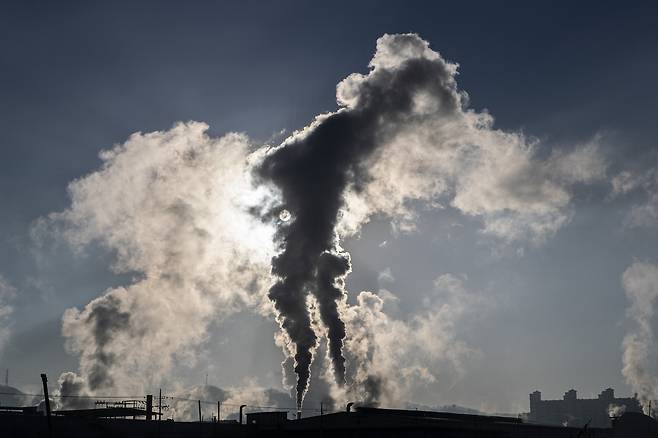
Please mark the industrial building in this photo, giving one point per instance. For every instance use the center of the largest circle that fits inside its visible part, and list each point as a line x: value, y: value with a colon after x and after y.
x: 575, y: 412
x: 360, y: 422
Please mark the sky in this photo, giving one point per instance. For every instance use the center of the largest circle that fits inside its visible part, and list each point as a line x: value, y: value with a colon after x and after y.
x: 534, y: 269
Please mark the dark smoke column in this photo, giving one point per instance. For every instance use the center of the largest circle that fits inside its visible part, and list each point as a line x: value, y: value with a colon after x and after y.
x: 313, y: 169
x: 312, y: 175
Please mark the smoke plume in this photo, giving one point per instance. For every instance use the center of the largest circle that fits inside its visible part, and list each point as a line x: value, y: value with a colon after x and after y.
x: 391, y: 358
x: 313, y: 170
x: 640, y: 282
x: 207, y: 226
x: 402, y: 133
x: 173, y: 208
x: 71, y: 388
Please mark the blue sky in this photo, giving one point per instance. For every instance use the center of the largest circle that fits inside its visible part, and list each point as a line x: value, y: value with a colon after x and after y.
x: 79, y: 78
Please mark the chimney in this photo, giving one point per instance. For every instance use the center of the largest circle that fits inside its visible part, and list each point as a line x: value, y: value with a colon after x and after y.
x: 46, y: 397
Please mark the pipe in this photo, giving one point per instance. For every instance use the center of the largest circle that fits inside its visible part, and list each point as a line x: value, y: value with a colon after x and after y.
x: 241, y: 408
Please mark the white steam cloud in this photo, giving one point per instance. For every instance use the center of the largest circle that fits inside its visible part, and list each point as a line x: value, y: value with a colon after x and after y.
x: 173, y: 207
x: 389, y: 358
x: 453, y: 155
x: 640, y: 282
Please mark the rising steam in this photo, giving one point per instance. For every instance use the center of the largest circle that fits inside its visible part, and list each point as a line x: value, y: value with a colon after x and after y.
x: 640, y: 282
x: 174, y: 209
x: 212, y: 225
x: 372, y: 155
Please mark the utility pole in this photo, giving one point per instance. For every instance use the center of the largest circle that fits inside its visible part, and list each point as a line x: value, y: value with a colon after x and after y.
x: 44, y: 380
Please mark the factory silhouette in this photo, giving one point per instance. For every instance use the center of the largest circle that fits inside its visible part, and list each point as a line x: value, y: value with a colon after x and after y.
x: 603, y: 417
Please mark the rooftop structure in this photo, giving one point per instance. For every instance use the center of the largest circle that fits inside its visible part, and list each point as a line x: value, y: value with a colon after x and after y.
x: 362, y: 422
x: 572, y: 411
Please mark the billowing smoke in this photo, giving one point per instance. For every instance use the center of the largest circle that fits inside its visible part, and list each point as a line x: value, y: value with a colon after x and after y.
x: 402, y: 133
x: 173, y: 207
x: 72, y: 392
x: 312, y: 171
x: 176, y: 210
x: 391, y: 358
x: 640, y: 282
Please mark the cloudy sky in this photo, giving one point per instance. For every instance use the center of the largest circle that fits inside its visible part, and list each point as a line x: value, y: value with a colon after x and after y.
x: 504, y: 225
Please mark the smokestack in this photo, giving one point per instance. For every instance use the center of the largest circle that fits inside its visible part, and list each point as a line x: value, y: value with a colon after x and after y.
x: 44, y: 380
x: 349, y: 406
x: 299, y: 415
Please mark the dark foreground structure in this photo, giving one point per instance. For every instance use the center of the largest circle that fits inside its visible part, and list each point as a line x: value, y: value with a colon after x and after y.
x: 364, y: 422
x: 576, y: 412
